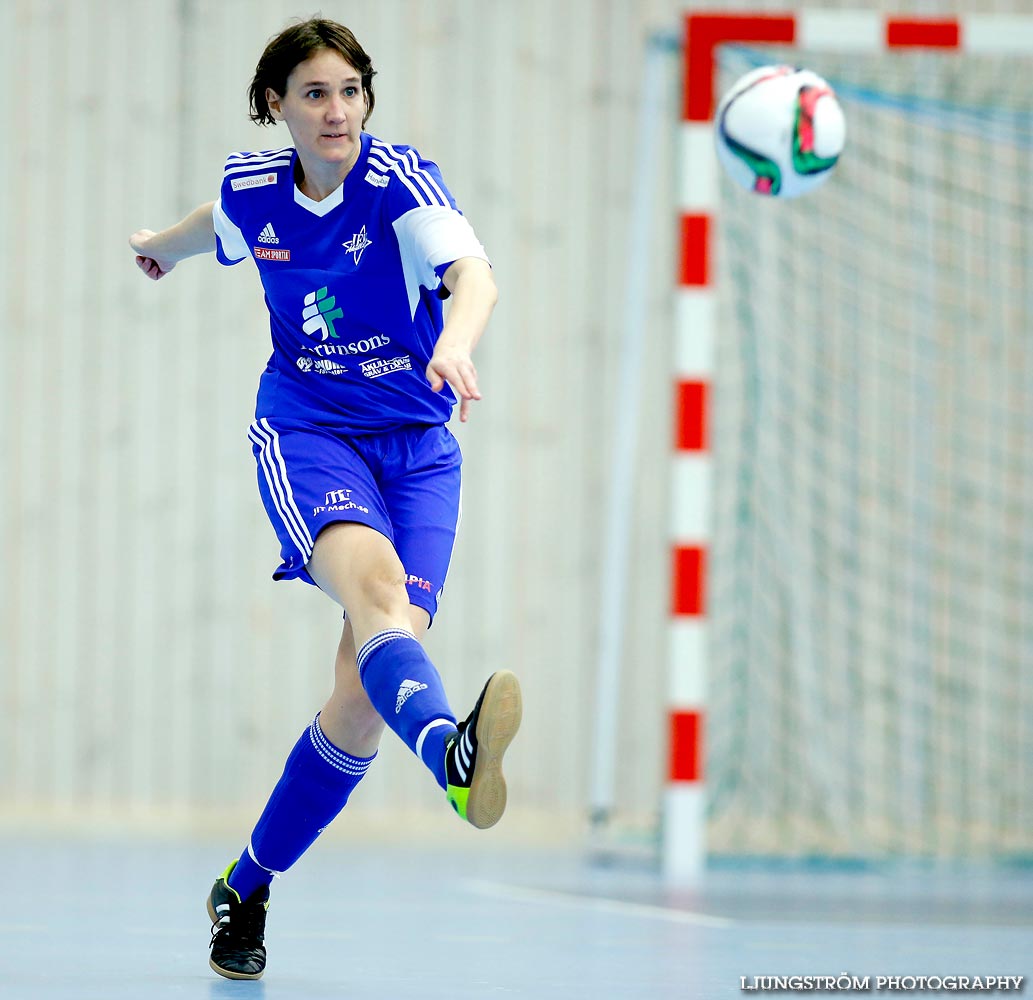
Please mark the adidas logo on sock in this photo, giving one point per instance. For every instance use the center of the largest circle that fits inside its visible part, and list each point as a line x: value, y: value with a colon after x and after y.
x: 267, y: 235
x: 406, y: 691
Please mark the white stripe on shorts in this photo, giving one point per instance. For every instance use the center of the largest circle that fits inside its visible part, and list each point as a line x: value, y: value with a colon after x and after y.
x: 286, y: 482
x: 275, y: 469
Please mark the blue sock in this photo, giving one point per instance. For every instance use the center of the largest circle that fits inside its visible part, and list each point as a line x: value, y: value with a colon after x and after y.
x: 316, y: 782
x: 406, y: 690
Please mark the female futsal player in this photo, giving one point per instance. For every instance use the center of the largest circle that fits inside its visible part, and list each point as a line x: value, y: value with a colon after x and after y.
x: 357, y: 242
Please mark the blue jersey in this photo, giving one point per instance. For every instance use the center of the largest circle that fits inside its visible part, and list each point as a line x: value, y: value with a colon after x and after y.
x: 352, y: 283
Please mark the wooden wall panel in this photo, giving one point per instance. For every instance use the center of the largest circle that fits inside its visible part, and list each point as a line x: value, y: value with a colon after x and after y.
x: 150, y: 667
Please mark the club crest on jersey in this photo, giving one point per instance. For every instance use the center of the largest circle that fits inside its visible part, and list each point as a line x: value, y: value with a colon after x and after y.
x: 357, y: 244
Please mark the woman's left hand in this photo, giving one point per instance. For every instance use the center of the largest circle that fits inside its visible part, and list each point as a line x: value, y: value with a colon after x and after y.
x: 454, y: 366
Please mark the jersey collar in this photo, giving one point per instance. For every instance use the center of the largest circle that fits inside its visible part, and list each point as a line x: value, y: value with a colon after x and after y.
x: 336, y: 197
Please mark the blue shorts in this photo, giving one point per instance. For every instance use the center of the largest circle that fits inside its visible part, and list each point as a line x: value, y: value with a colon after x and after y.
x: 404, y: 483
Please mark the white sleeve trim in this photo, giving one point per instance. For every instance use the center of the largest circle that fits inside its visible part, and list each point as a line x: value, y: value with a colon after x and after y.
x: 429, y: 236
x: 234, y: 246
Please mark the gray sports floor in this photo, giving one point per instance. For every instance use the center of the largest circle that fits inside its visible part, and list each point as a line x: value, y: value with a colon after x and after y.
x: 109, y: 920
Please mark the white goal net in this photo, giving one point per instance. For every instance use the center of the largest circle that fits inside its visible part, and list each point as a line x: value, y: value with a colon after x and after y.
x: 871, y: 688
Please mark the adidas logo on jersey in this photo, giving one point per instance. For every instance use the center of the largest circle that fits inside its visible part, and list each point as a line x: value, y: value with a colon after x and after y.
x: 406, y: 691
x: 267, y: 235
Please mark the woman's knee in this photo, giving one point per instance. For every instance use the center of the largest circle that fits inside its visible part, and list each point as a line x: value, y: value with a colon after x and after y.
x: 382, y: 589
x: 359, y: 567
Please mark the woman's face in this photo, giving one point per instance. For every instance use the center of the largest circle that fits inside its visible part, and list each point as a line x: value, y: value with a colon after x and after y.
x: 323, y: 108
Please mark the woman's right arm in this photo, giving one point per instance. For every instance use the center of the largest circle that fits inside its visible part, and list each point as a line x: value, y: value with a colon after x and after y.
x: 159, y: 253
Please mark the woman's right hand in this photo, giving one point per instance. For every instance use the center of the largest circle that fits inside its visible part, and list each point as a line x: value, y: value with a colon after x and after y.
x: 153, y: 265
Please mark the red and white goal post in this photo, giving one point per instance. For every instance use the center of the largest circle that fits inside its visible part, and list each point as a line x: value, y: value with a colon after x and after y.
x: 684, y: 845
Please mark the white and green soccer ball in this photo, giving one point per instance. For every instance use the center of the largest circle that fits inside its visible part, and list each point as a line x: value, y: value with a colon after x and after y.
x: 779, y: 131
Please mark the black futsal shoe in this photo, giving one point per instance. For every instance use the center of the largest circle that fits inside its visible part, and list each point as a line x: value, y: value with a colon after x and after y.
x: 473, y: 755
x: 238, y: 930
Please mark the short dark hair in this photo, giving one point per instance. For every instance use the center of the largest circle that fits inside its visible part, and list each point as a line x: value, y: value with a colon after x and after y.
x: 294, y: 45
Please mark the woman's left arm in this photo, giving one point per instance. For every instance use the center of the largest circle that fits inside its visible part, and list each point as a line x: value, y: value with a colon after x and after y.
x: 474, y: 295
